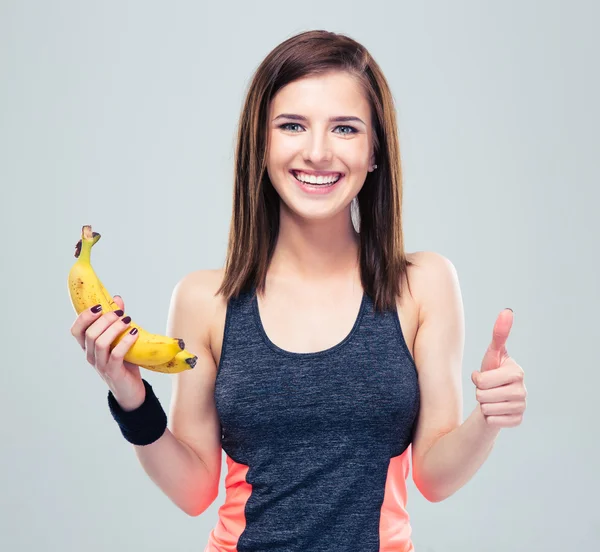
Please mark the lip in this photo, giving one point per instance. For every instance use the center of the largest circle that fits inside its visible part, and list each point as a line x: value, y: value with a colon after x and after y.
x: 321, y: 191
x: 316, y: 173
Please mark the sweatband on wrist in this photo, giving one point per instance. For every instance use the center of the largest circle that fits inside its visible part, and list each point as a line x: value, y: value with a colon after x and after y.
x: 145, y: 424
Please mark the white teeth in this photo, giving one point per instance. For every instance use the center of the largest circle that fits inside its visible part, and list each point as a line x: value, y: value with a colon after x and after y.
x: 311, y: 179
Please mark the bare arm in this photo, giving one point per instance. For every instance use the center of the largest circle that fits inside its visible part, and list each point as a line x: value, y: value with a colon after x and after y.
x: 178, y: 471
x: 439, y: 346
x: 185, y: 463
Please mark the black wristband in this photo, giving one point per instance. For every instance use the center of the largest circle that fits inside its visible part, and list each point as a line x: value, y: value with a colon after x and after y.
x: 145, y: 424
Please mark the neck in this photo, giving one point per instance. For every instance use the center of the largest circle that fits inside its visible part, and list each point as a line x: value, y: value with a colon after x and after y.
x: 316, y: 251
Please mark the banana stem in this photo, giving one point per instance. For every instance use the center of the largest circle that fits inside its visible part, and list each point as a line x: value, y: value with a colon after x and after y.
x: 83, y: 247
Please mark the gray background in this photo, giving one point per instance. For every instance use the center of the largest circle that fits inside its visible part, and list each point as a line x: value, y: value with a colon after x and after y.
x: 123, y: 115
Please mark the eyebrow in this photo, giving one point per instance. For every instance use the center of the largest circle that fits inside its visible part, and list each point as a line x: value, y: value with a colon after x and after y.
x: 340, y: 119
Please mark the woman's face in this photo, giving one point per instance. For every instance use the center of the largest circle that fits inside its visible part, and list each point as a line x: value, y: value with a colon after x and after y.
x: 305, y: 139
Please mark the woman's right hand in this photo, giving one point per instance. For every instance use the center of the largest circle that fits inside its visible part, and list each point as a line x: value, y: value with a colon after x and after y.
x: 95, y: 332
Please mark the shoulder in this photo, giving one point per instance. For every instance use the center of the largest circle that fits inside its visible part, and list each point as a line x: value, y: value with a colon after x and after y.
x: 195, y: 300
x: 200, y: 285
x: 429, y: 262
x: 432, y: 276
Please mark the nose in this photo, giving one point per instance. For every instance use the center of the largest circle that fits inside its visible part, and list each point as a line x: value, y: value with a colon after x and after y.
x: 318, y: 149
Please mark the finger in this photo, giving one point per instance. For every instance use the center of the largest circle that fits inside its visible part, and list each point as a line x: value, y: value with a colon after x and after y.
x: 496, y: 378
x: 496, y: 352
x: 117, y: 355
x: 119, y: 301
x: 501, y: 331
x: 95, y: 330
x: 510, y: 392
x: 82, y: 323
x: 511, y: 420
x: 104, y: 342
x: 503, y: 408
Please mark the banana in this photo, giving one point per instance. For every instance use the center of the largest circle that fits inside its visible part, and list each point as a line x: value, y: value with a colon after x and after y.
x: 111, y: 303
x: 180, y: 362
x: 154, y: 352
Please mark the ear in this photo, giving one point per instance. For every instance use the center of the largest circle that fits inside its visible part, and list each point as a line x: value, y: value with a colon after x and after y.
x: 372, y: 162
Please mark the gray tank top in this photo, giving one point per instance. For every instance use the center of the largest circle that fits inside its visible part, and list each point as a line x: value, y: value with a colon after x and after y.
x: 314, y: 433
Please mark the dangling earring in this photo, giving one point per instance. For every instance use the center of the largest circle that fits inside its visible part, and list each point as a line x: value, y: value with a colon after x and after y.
x: 355, y: 214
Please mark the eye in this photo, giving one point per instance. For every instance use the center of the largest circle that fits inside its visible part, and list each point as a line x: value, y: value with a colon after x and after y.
x: 352, y: 129
x: 285, y: 126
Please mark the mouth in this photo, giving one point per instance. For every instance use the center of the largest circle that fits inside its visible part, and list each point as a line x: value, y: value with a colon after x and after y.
x: 317, y: 178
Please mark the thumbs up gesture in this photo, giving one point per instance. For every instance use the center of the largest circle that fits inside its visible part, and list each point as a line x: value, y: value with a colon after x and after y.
x: 501, y: 391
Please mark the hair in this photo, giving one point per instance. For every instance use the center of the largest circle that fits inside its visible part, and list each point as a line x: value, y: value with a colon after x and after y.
x: 255, y: 218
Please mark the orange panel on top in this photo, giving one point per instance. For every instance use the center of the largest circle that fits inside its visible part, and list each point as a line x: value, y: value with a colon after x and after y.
x: 394, y: 525
x: 232, y: 522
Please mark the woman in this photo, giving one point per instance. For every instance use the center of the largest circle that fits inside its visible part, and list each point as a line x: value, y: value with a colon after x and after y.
x: 326, y: 354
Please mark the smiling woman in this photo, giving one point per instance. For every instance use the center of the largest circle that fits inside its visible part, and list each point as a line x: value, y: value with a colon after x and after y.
x: 320, y: 373
x: 316, y: 388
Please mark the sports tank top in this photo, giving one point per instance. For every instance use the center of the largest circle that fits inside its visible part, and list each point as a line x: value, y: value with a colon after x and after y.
x: 316, y: 443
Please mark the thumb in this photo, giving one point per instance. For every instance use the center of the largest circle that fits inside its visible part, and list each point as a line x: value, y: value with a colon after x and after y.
x: 496, y: 351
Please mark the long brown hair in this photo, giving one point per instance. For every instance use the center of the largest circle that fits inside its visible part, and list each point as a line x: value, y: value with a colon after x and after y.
x: 255, y: 219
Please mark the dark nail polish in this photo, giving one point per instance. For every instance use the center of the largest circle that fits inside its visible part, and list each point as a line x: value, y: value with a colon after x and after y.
x: 126, y: 320
x: 96, y: 309
x: 119, y: 312
x: 133, y: 331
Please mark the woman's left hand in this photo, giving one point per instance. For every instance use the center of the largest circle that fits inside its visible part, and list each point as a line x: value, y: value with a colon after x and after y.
x: 500, y: 384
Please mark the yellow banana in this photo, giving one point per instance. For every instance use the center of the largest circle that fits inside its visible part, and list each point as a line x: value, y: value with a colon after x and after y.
x: 111, y: 302
x: 155, y: 352
x: 180, y: 362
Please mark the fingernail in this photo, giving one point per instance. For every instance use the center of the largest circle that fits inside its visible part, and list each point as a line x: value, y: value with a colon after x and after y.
x: 126, y: 320
x: 119, y: 312
x: 510, y: 309
x: 117, y: 296
x: 96, y: 309
x: 133, y: 331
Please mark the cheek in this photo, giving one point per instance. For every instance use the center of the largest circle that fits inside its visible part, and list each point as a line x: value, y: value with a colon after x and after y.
x: 354, y: 153
x: 279, y: 147
x: 284, y: 150
x: 278, y: 158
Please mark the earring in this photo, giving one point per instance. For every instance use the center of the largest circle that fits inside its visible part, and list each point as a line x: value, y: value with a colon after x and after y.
x: 355, y: 214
